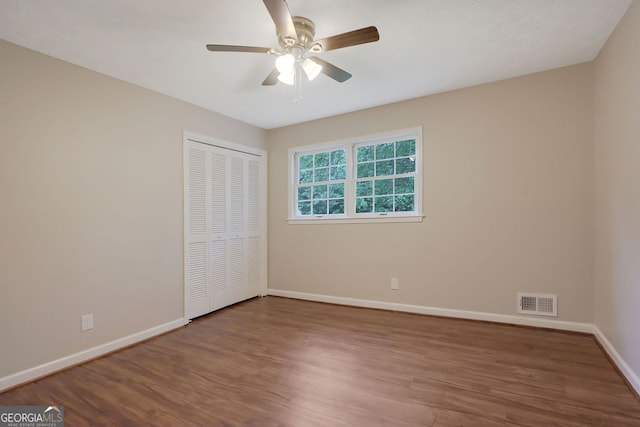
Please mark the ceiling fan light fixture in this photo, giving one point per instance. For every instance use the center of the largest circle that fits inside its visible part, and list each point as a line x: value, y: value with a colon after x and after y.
x: 285, y: 64
x: 311, y: 68
x: 287, y: 78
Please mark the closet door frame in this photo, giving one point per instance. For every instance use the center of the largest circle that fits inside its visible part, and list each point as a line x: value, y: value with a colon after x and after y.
x: 190, y: 138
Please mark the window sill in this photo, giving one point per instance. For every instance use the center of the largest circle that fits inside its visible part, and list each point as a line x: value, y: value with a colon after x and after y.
x: 343, y: 220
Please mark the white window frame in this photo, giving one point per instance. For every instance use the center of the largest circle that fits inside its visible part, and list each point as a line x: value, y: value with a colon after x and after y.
x: 349, y: 215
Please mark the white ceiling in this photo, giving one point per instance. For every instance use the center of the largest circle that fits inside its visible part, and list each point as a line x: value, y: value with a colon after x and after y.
x: 425, y: 47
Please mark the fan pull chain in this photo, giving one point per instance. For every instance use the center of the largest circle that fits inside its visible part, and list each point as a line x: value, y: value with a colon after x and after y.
x: 298, y: 82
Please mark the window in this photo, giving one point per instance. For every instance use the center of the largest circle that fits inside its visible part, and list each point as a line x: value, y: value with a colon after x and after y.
x: 321, y: 177
x: 385, y: 177
x: 367, y: 179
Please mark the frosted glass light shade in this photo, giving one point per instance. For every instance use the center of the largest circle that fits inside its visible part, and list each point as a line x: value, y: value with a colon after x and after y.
x: 311, y: 68
x: 285, y: 63
x: 287, y: 78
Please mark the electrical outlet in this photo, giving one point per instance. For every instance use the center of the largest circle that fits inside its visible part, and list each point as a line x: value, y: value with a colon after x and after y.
x: 395, y: 283
x: 87, y: 322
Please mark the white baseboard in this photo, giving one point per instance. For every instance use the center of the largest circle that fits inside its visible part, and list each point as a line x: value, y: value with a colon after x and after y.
x: 443, y: 312
x: 48, y: 368
x: 589, y: 328
x: 622, y: 365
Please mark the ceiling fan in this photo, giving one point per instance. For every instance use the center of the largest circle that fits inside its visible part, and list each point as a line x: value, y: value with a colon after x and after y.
x: 297, y: 47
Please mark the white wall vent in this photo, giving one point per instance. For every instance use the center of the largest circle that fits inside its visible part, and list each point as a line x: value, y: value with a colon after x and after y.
x: 540, y: 304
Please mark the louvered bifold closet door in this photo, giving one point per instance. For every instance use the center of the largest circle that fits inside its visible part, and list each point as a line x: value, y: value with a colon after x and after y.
x: 236, y: 260
x: 218, y: 224
x: 252, y: 242
x: 196, y: 233
x: 242, y: 262
x: 223, y: 223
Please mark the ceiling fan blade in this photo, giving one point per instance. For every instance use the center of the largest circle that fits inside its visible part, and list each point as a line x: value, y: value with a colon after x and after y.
x: 272, y: 78
x: 279, y: 11
x: 231, y: 48
x: 351, y: 38
x: 331, y: 70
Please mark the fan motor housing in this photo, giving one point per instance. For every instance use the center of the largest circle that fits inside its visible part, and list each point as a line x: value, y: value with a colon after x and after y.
x: 305, y: 30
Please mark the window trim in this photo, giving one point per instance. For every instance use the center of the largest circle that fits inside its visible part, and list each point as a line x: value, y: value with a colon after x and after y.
x: 350, y: 144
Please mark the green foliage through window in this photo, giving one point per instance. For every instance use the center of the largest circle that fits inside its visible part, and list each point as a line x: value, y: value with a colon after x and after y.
x: 320, y: 183
x: 385, y: 171
x: 358, y: 179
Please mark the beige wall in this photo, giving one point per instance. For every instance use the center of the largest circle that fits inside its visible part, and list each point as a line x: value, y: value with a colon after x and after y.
x: 90, y: 205
x: 617, y: 188
x: 507, y: 198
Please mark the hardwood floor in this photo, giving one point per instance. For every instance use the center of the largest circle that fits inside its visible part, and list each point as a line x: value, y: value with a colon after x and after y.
x: 281, y: 362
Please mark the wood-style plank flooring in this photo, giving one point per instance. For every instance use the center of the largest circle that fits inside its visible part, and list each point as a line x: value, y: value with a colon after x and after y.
x: 281, y: 362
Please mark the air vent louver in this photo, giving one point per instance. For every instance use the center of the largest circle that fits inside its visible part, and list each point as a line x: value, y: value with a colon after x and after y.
x: 539, y: 304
